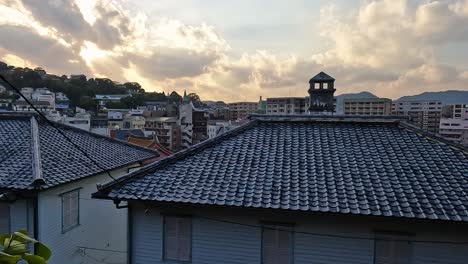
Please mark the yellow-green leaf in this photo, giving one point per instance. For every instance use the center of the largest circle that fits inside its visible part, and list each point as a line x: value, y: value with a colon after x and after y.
x: 43, y: 251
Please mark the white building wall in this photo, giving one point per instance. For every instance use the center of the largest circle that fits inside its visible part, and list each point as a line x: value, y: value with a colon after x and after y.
x: 102, y: 225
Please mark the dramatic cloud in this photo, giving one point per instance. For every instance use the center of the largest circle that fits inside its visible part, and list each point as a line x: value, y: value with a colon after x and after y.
x: 389, y: 47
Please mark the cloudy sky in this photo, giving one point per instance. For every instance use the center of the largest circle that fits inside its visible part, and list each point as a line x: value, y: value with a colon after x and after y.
x: 239, y: 50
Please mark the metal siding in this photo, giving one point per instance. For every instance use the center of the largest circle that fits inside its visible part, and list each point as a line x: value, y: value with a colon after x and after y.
x: 20, y: 216
x: 216, y: 242
x: 219, y: 242
x: 425, y: 253
x: 4, y: 218
x: 146, y: 237
x: 326, y: 250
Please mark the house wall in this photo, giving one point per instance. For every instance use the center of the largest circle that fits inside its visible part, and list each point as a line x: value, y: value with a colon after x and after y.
x: 21, y: 216
x: 220, y: 242
x: 102, y: 226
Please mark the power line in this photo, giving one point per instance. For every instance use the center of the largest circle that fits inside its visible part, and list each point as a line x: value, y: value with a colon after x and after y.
x: 64, y: 135
x: 330, y: 235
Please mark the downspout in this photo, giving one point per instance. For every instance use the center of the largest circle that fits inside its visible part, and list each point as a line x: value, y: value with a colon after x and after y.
x: 36, y: 221
x: 129, y: 235
x: 38, y: 180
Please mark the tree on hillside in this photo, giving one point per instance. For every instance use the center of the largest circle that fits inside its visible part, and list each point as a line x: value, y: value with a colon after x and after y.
x: 134, y: 87
x: 175, y: 97
x: 194, y: 97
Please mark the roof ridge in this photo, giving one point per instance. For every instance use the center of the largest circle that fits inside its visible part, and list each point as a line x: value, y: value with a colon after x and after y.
x: 36, y: 155
x: 327, y: 118
x: 105, y: 188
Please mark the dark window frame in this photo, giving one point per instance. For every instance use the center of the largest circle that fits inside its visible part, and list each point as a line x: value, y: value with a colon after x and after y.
x: 164, y: 220
x: 392, y: 236
x: 65, y: 230
x: 269, y: 225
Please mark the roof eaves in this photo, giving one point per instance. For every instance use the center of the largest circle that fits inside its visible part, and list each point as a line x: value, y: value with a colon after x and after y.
x: 103, y: 190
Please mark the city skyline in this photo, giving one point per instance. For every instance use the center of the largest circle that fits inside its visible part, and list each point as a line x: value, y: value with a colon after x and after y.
x: 238, y: 52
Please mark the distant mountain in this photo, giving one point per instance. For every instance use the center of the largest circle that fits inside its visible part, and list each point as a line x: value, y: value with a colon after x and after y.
x: 446, y: 97
x: 341, y: 97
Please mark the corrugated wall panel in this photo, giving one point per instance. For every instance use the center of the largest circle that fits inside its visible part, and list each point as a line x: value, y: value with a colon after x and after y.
x: 326, y: 250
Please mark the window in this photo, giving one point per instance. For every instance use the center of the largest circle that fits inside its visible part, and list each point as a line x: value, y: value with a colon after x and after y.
x: 70, y: 210
x: 390, y: 248
x: 277, y: 244
x: 4, y: 218
x: 177, y: 238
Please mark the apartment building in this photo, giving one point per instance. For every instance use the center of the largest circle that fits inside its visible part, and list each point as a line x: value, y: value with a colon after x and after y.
x: 241, y: 110
x: 368, y: 106
x: 454, y: 123
x: 423, y: 114
x: 193, y: 123
x: 166, y: 130
x: 286, y: 106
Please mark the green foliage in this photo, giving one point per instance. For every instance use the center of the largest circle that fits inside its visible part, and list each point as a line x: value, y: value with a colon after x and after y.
x: 81, y: 90
x: 15, y: 247
x: 194, y: 97
x: 175, y: 97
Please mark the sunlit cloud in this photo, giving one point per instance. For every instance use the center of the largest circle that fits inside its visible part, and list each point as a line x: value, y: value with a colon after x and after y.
x: 388, y: 47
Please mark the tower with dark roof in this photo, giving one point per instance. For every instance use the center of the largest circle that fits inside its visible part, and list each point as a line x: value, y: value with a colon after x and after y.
x: 322, y: 88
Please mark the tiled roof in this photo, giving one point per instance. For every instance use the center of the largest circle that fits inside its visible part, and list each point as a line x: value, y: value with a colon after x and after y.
x: 32, y: 148
x: 335, y: 165
x: 320, y: 77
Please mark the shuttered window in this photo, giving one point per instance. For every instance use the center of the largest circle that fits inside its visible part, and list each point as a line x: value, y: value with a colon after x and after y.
x: 177, y: 238
x: 70, y: 210
x: 4, y: 218
x: 390, y: 249
x: 277, y: 244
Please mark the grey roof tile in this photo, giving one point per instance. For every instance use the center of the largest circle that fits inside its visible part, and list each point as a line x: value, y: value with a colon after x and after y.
x: 60, y: 161
x: 378, y: 169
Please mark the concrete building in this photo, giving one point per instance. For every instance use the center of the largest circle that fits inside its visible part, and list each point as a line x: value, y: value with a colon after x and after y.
x: 166, y: 130
x: 133, y: 122
x: 193, y: 124
x: 27, y: 92
x: 454, y: 124
x: 100, y: 124
x: 219, y: 127
x: 423, y: 114
x: 286, y: 106
x: 241, y: 110
x: 5, y: 104
x: 115, y: 119
x: 23, y: 106
x: 105, y: 98
x: 368, y: 106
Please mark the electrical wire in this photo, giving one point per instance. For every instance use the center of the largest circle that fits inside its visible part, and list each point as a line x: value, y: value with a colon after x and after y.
x: 330, y: 235
x: 65, y: 136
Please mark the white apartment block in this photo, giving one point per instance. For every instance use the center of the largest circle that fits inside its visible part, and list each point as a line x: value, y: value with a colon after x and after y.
x: 454, y: 124
x: 286, y: 106
x: 368, y: 106
x: 423, y: 114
